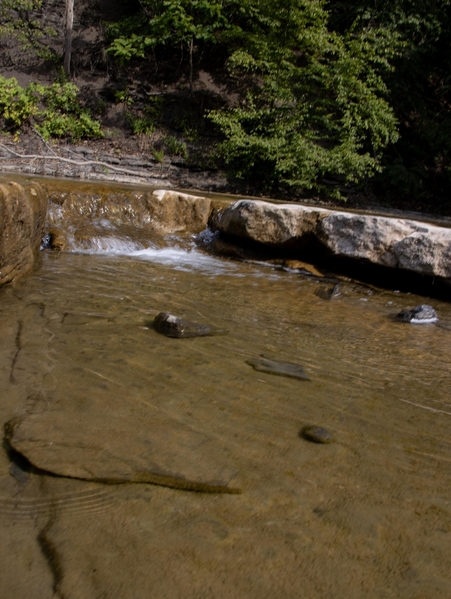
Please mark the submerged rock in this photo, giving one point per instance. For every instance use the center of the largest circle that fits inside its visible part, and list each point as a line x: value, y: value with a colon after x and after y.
x: 289, y: 369
x: 174, y: 326
x: 329, y: 293
x: 316, y: 434
x: 423, y: 314
x: 113, y: 449
x: 301, y: 267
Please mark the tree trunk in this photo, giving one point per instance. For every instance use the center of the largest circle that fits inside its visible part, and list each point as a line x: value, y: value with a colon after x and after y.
x: 191, y: 49
x: 68, y: 36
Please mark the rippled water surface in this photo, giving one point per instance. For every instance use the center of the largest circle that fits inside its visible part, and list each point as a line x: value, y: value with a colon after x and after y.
x: 366, y: 516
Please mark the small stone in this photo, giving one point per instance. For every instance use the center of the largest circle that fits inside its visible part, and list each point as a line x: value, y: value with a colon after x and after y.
x: 316, y: 434
x: 19, y: 474
x: 298, y: 266
x: 46, y: 242
x: 329, y: 293
x: 174, y: 326
x: 423, y: 314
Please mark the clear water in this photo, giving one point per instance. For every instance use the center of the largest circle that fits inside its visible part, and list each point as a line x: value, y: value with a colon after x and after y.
x: 366, y: 516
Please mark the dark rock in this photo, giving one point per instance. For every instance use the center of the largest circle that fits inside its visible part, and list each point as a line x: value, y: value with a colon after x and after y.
x: 173, y: 326
x: 316, y: 434
x: 423, y: 314
x: 289, y: 369
x: 18, y: 473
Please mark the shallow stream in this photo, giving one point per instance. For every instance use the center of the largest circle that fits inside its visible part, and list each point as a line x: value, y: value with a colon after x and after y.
x: 368, y: 515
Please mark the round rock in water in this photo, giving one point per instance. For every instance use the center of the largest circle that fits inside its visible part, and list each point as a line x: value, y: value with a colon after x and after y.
x: 174, y: 326
x: 423, y: 314
x: 316, y: 434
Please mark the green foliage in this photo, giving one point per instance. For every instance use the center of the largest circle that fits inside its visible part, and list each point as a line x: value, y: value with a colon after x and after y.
x: 17, y: 104
x: 158, y: 154
x: 147, y: 120
x: 314, y: 105
x: 315, y: 110
x: 166, y: 22
x: 20, y: 19
x: 175, y: 147
x: 419, y: 90
x: 141, y: 125
x: 54, y: 110
x: 122, y: 96
x: 74, y: 126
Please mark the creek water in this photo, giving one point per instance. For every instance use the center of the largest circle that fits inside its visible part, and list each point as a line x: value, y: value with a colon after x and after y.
x: 368, y: 515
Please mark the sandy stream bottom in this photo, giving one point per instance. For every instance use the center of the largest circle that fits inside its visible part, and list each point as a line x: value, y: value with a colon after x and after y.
x: 368, y: 516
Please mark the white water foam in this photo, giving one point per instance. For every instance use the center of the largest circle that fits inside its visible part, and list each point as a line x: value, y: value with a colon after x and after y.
x: 181, y: 259
x: 178, y: 258
x: 110, y: 245
x: 423, y: 320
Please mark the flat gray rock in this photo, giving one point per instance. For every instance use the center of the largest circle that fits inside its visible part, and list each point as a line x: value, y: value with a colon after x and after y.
x: 111, y: 449
x: 289, y: 369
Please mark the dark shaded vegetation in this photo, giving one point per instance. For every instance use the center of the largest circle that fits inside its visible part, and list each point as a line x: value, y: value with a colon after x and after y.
x: 292, y: 98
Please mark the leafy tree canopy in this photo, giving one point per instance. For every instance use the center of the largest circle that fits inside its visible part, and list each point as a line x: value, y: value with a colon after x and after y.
x: 315, y: 110
x: 419, y: 89
x: 313, y: 107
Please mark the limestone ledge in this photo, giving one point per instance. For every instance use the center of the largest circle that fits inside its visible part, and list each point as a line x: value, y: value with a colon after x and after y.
x: 162, y: 211
x: 22, y: 221
x: 392, y: 242
x: 397, y: 243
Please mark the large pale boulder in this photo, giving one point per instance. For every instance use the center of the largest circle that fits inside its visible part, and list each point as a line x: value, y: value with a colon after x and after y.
x: 364, y: 236
x: 397, y: 243
x: 273, y: 224
x: 427, y: 251
x: 22, y: 220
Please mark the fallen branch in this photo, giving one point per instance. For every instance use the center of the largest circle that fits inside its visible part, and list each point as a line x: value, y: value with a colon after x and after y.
x: 75, y: 162
x: 43, y: 141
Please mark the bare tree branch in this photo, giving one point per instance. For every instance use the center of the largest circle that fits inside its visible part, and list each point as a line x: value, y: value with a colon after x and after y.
x: 75, y: 162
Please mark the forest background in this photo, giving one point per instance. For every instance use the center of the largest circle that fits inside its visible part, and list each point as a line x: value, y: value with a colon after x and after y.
x: 336, y: 100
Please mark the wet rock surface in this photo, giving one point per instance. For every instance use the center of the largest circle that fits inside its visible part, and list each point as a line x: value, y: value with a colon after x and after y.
x: 163, y: 211
x: 22, y: 219
x: 109, y: 449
